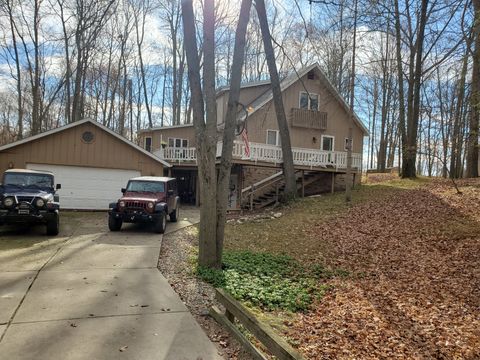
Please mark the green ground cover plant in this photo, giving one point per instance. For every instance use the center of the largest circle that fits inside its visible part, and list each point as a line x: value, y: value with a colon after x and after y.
x: 269, y: 281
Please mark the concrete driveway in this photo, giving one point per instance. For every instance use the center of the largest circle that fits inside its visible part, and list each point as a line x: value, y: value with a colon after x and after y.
x: 92, y: 294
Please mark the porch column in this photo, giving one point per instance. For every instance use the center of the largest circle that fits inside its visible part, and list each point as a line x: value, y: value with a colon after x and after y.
x: 240, y: 186
x: 333, y: 183
x: 303, y: 183
x: 197, y: 191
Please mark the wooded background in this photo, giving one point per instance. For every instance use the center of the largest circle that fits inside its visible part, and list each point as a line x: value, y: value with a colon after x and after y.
x: 123, y: 63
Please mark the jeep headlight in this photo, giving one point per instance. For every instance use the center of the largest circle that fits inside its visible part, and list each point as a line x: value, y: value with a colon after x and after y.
x: 150, y: 205
x: 40, y: 203
x: 121, y: 203
x: 8, y: 201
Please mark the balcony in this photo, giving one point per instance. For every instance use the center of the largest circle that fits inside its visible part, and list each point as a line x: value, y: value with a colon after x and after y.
x: 309, y: 119
x: 264, y: 153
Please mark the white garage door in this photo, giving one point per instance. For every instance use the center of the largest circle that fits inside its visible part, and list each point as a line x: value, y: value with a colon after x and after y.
x: 87, y: 187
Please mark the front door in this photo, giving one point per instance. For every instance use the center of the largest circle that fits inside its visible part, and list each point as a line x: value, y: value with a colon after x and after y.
x: 328, y: 145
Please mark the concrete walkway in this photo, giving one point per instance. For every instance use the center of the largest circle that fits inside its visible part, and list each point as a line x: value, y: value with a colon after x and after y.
x: 92, y: 294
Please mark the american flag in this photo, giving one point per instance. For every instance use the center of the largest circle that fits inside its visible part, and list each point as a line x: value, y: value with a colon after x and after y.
x: 245, y: 140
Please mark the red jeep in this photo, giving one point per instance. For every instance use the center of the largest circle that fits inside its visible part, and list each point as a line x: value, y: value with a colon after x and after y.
x: 146, y: 199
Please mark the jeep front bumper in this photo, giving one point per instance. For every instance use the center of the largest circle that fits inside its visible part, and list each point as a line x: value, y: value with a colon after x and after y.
x: 16, y: 216
x: 134, y: 216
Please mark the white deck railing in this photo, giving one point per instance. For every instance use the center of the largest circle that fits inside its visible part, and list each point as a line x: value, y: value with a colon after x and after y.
x: 268, y: 153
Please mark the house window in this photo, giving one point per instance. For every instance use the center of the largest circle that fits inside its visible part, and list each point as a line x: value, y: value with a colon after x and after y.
x: 273, y: 137
x: 328, y: 143
x: 177, y: 142
x: 346, y: 144
x: 308, y: 102
x: 148, y: 143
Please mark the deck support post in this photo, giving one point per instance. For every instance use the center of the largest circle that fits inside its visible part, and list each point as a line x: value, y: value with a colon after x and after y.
x: 197, y: 191
x: 303, y: 183
x: 240, y: 187
x: 333, y: 183
x: 251, y: 197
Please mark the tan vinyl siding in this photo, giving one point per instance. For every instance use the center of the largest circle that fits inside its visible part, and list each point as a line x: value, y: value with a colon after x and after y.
x: 187, y: 132
x: 247, y: 96
x: 67, y: 148
x: 337, y: 119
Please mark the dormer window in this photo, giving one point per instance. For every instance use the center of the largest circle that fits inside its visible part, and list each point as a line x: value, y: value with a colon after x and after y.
x: 308, y: 102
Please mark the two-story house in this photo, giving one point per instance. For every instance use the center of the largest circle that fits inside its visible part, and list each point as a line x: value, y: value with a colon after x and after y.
x: 318, y: 119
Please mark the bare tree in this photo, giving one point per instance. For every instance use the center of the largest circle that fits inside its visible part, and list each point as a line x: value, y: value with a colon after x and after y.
x: 140, y: 12
x: 472, y: 145
x: 348, y: 174
x: 288, y: 169
x: 230, y: 122
x: 205, y: 126
x: 8, y: 8
x: 91, y: 17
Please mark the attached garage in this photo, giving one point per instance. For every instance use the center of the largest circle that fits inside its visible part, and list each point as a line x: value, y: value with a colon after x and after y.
x: 90, y: 161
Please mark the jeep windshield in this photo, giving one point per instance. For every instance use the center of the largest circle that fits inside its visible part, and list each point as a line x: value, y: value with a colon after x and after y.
x: 146, y: 186
x: 28, y: 180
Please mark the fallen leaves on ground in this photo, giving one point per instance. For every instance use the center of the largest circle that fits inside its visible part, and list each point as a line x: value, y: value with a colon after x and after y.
x: 415, y: 288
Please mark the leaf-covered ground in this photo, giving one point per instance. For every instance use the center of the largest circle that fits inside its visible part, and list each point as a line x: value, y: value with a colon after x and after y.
x: 413, y: 251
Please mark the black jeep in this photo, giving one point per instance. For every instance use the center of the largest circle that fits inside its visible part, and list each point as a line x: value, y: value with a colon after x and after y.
x: 146, y: 199
x: 28, y: 196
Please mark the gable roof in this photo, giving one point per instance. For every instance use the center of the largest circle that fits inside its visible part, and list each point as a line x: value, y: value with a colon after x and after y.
x: 296, y: 76
x: 78, y: 123
x: 249, y: 84
x: 165, y: 127
x: 267, y: 96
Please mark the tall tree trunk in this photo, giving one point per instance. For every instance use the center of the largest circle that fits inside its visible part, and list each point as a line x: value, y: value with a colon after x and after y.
x: 386, y: 86
x: 140, y: 33
x: 224, y: 169
x: 76, y: 111
x: 410, y: 153
x: 162, y: 119
x: 374, y: 117
x: 18, y: 70
x: 472, y: 144
x: 181, y: 71
x: 68, y: 65
x: 36, y: 91
x: 456, y: 165
x: 205, y: 132
x: 401, y: 92
x: 348, y: 174
x: 174, y: 72
x: 288, y: 169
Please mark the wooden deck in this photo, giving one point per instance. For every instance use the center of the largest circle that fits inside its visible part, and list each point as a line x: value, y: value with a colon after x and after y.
x: 268, y: 155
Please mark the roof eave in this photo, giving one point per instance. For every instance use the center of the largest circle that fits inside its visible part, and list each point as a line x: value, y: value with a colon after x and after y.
x: 78, y: 123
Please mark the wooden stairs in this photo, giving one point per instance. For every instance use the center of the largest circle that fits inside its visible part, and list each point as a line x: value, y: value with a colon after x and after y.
x: 268, y: 191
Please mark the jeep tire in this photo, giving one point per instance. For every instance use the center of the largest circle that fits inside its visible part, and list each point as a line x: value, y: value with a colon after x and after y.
x: 53, y: 225
x: 174, y: 215
x: 160, y: 223
x: 114, y: 224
